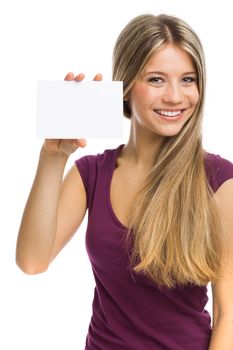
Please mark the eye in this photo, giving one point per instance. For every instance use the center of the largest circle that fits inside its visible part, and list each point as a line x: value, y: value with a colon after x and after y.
x: 156, y: 80
x: 188, y: 80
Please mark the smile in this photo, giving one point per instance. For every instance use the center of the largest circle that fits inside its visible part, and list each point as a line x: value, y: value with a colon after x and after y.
x: 169, y: 113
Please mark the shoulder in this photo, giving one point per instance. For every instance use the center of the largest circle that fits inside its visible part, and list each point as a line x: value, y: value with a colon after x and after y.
x: 88, y: 165
x: 99, y: 158
x: 92, y: 160
x: 218, y: 170
x: 91, y: 167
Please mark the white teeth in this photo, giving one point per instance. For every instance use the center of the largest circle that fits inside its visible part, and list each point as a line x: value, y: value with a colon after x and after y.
x: 168, y: 113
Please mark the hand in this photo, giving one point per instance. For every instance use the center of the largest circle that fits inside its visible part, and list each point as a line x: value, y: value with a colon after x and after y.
x: 66, y: 147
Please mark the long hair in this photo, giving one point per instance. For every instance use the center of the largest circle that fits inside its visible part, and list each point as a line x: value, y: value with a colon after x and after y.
x: 174, y: 229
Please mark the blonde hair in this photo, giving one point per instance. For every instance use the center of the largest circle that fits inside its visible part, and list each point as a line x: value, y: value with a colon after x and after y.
x: 174, y: 229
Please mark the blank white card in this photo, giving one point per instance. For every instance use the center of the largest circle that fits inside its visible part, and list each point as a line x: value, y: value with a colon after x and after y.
x: 70, y: 110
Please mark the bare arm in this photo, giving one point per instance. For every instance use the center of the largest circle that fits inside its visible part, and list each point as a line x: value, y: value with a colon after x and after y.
x: 55, y: 207
x: 43, y: 219
x: 222, y: 334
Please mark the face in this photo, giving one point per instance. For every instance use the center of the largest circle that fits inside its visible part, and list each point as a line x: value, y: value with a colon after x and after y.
x: 166, y: 94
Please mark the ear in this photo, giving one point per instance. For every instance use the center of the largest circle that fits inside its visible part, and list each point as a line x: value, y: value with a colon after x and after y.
x: 126, y: 97
x: 127, y: 108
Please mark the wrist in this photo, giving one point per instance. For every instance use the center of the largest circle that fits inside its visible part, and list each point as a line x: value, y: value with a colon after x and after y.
x: 53, y: 154
x: 52, y: 160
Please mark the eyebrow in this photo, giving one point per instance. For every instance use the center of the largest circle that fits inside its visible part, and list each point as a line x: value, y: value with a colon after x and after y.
x: 162, y: 73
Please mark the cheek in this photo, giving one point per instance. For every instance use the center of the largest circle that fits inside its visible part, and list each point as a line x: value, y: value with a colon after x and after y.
x: 137, y: 96
x: 194, y: 97
x: 138, y: 91
x: 143, y: 94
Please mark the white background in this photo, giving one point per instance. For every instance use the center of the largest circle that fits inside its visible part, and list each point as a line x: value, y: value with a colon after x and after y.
x: 45, y: 39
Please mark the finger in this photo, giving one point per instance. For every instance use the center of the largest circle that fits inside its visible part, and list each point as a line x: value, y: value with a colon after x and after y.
x: 69, y: 76
x: 66, y: 147
x: 98, y: 77
x: 80, y: 142
x: 51, y: 142
x: 79, y: 77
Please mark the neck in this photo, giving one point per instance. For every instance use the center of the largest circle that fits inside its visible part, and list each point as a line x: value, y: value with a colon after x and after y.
x: 142, y: 148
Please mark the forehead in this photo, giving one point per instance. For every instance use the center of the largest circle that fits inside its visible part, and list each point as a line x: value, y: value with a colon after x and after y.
x: 170, y: 59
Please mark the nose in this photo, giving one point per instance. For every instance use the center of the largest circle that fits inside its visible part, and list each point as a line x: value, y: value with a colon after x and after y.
x: 173, y: 94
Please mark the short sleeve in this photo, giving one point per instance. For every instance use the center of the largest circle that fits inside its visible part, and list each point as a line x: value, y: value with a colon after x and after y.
x: 87, y: 168
x: 82, y: 165
x: 218, y: 170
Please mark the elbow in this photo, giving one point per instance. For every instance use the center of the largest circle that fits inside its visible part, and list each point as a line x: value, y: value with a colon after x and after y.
x: 31, y: 268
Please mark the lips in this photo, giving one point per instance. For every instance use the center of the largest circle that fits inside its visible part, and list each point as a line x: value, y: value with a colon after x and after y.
x: 169, y: 112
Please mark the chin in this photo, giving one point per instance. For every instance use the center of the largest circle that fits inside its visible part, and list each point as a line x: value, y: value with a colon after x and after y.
x: 170, y: 133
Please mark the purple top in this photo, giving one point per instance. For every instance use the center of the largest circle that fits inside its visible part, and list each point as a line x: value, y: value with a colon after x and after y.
x: 129, y: 313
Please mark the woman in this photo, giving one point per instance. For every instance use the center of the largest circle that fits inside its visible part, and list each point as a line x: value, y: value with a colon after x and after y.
x: 159, y: 208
